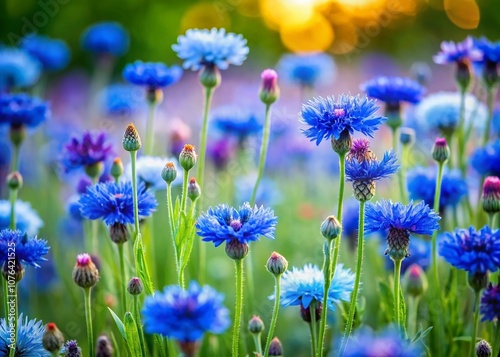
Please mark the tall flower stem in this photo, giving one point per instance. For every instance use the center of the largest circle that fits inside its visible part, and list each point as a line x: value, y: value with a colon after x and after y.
x: 277, y: 292
x: 184, y: 191
x: 15, y: 158
x: 472, y: 350
x: 331, y: 264
x: 11, y: 294
x: 314, y: 327
x: 13, y: 200
x: 402, y: 175
x: 437, y: 196
x: 94, y: 226
x: 122, y: 280
x: 170, y: 212
x: 490, y: 102
x: 88, y: 320
x: 397, y: 288
x: 413, y: 315
x: 136, y: 311
x: 133, y: 159
x: 359, y: 265
x: 496, y: 340
x: 238, y: 307
x: 461, y: 142
x: 257, y: 343
x: 150, y: 134
x: 263, y: 153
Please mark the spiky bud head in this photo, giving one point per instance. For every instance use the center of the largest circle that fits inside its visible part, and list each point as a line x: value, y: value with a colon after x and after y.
x: 187, y: 157
x: 331, y: 228
x: 119, y: 233
x: 210, y: 76
x: 131, y: 139
x: 275, y: 348
x: 483, y: 349
x: 104, y: 347
x: 236, y: 250
x: 255, y: 325
x: 269, y: 90
x: 193, y: 190
x: 52, y: 339
x: 277, y: 264
x: 343, y: 144
x: 477, y: 281
x: 169, y: 172
x: 154, y: 95
x: 134, y: 286
x: 491, y: 195
x: 15, y: 180
x: 441, y: 150
x: 85, y: 273
x: 117, y: 168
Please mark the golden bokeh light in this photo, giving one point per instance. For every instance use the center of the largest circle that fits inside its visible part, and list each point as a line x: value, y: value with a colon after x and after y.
x: 463, y: 13
x: 314, y: 35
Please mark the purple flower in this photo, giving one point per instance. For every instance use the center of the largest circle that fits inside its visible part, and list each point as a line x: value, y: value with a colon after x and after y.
x: 452, y: 52
x: 91, y: 149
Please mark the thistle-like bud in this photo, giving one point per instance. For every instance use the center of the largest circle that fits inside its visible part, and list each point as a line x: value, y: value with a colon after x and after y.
x: 17, y: 271
x: 187, y: 157
x: 134, y: 286
x: 104, y: 347
x: 85, y: 273
x: 154, y: 95
x: 305, y: 313
x: 398, y: 241
x: 14, y: 180
x: 210, y: 76
x: 17, y: 134
x: 407, y: 136
x: 277, y: 264
x: 169, y: 172
x: 269, y: 90
x: 131, y: 139
x: 331, y: 228
x: 364, y: 190
x: 491, y: 195
x: 52, y: 339
x: 477, y: 281
x: 117, y: 168
x: 440, y: 150
x: 119, y: 233
x: 71, y: 349
x: 343, y: 144
x: 236, y: 250
x: 463, y: 75
x: 255, y: 325
x: 483, y: 349
x: 415, y: 281
x: 193, y: 190
x: 275, y: 348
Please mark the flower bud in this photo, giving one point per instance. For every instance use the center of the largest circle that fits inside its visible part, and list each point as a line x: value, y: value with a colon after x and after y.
x: 71, y: 349
x: 134, y: 286
x: 52, y: 339
x: 331, y: 228
x: 17, y: 271
x: 440, y: 150
x: 421, y: 72
x: 275, y: 348
x: 95, y: 170
x: 193, y: 190
x: 131, y: 139
x: 117, y: 168
x: 277, y: 264
x: 255, y: 325
x: 236, y: 250
x: 491, y: 195
x: 343, y: 144
x: 463, y: 75
x: 269, y: 90
x: 14, y: 181
x: 154, y: 95
x: 393, y: 114
x: 85, y: 273
x: 477, y: 281
x: 119, y: 233
x: 483, y: 349
x: 210, y: 76
x: 17, y: 134
x: 169, y: 172
x: 407, y: 136
x: 415, y: 281
x: 104, y: 347
x: 187, y: 157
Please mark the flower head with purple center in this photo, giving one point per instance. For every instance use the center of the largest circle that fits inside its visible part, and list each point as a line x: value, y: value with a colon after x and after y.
x: 53, y: 54
x: 394, y: 90
x: 490, y: 303
x: 86, y: 151
x: 371, y: 170
x: 246, y: 224
x: 106, y: 38
x: 29, y: 250
x: 327, y: 118
x: 151, y: 75
x: 461, y: 52
x: 22, y: 110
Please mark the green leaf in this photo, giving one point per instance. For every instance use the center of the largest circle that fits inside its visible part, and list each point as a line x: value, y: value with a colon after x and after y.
x: 420, y: 335
x: 141, y: 266
x: 462, y: 338
x: 119, y: 324
x: 133, y: 339
x: 402, y: 310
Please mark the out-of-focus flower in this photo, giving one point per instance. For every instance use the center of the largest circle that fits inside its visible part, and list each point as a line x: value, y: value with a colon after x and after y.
x: 453, y: 52
x: 486, y: 160
x: 18, y: 69
x: 106, y: 38
x: 29, y: 338
x: 490, y: 303
x: 22, y: 110
x: 221, y: 152
x: 148, y: 170
x: 27, y: 219
x: 53, y: 54
x: 308, y: 70
x: 121, y: 100
x: 90, y: 150
x: 394, y: 90
x: 151, y: 75
x: 236, y: 122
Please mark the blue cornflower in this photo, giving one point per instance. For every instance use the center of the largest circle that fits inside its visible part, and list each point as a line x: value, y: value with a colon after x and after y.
x: 268, y: 193
x: 223, y: 224
x: 490, y: 50
x: 459, y: 52
x: 474, y: 251
x: 486, y: 160
x: 372, y: 170
x: 121, y: 100
x: 106, y: 38
x: 307, y: 70
x: 151, y: 75
x: 420, y: 254
x: 29, y: 338
x: 90, y: 150
x: 490, y: 303
x: 236, y: 122
x: 148, y: 170
x: 387, y: 343
x: 27, y: 219
x: 22, y: 110
x: 71, y: 349
x: 422, y: 186
x: 301, y: 286
x: 29, y: 250
x: 114, y: 203
x: 328, y: 118
x: 185, y: 315
x: 18, y: 69
x: 394, y: 90
x: 215, y: 47
x: 53, y: 54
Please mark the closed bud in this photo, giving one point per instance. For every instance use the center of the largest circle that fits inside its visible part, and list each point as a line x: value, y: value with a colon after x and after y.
x: 134, y: 286
x: 95, y: 170
x: 463, y: 75
x: 17, y: 134
x: 491, y: 195
x: 119, y: 233
x: 255, y: 325
x: 187, y: 157
x: 477, y: 281
x: 52, y: 339
x: 277, y: 264
x: 269, y: 90
x: 210, y: 76
x: 117, y: 168
x: 154, y: 95
x: 343, y: 144
x: 16, y: 271
x: 275, y: 348
x: 169, y: 172
x: 193, y: 190
x: 14, y: 181
x: 104, y: 347
x: 393, y: 114
x: 236, y: 250
x: 131, y: 139
x: 71, y: 349
x: 440, y: 150
x: 407, y: 136
x: 483, y: 349
x: 415, y: 281
x: 85, y: 273
x: 331, y: 228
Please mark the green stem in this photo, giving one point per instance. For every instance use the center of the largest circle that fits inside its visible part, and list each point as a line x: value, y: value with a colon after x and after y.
x: 15, y: 159
x: 277, y: 292
x: 437, y: 196
x: 359, y: 265
x: 413, y: 315
x: 263, y: 153
x: 239, y: 303
x: 397, y: 283
x: 122, y: 280
x: 133, y: 157
x: 491, y: 220
x: 11, y: 296
x: 490, y: 101
x: 472, y: 349
x: 313, y: 325
x: 170, y: 212
x: 88, y: 320
x: 13, y: 200
x: 460, y: 134
x: 478, y: 201
x: 395, y: 139
x: 136, y: 311
x: 402, y: 175
x: 257, y: 343
x: 150, y: 135
x: 184, y: 191
x: 203, y: 139
x: 496, y: 340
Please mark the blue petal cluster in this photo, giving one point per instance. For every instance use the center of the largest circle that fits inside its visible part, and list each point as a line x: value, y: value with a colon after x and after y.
x: 106, y: 38
x: 490, y: 50
x: 18, y: 69
x: 29, y: 338
x: 87, y: 151
x: 301, y: 286
x: 148, y: 170
x: 387, y: 343
x: 185, y: 315
x: 121, y: 100
x: 486, y: 160
x: 151, y: 75
x: 223, y: 223
x: 114, y: 203
x: 22, y: 110
x: 29, y: 251
x: 490, y: 303
x: 27, y: 219
x: 372, y: 170
x: 393, y: 90
x: 420, y: 254
x: 413, y: 218
x: 236, y: 122
x: 422, y: 186
x: 307, y: 70
x: 328, y: 118
x: 471, y: 250
x: 53, y: 54
x: 215, y: 47
x: 452, y: 52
